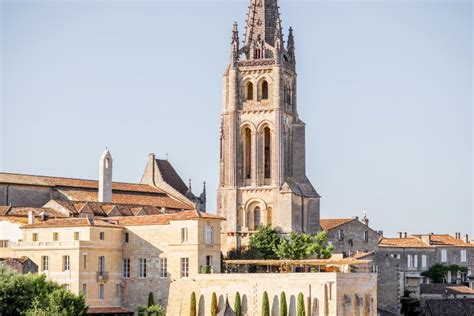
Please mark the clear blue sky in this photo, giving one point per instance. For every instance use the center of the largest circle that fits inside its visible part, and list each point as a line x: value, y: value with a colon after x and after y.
x: 385, y: 88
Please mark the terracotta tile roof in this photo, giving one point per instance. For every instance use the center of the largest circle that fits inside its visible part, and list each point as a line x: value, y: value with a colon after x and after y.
x: 23, y: 211
x: 162, y: 219
x: 170, y: 176
x: 331, y: 223
x: 13, y: 178
x: 448, y: 240
x: 442, y: 289
x: 71, y: 222
x: 147, y: 198
x: 409, y: 242
x: 14, y: 219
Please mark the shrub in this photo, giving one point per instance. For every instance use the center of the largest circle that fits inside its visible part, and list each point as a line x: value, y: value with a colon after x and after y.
x: 151, y: 299
x: 265, y: 305
x: 300, y: 308
x: 283, y: 305
x: 192, y: 310
x: 214, y: 304
x: 237, y: 305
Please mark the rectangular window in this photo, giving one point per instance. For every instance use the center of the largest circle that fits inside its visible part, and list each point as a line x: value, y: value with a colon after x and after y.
x: 76, y: 235
x: 184, y: 267
x: 209, y: 234
x: 84, y: 289
x: 444, y: 255
x: 66, y: 263
x: 125, y: 238
x: 209, y: 261
x: 163, y: 268
x: 126, y: 268
x: 101, y: 291
x: 409, y: 261
x: 84, y: 261
x: 142, y: 267
x: 366, y: 236
x: 463, y: 255
x: 415, y: 261
x: 34, y: 237
x: 424, y: 261
x: 184, y: 235
x: 340, y: 234
x: 55, y: 236
x: 102, y: 236
x: 101, y: 265
x: 45, y: 263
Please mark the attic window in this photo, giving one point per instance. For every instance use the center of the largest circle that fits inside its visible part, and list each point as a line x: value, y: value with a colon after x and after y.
x: 102, y: 236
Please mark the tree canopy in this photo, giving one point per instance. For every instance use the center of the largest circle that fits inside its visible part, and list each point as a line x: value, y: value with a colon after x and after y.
x: 264, y: 242
x: 28, y: 294
x: 438, y: 272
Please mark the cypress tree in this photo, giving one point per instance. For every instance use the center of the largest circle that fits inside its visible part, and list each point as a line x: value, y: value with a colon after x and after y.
x: 237, y: 305
x: 283, y: 305
x: 300, y: 309
x: 265, y: 305
x: 214, y: 304
x: 192, y: 310
x: 151, y: 299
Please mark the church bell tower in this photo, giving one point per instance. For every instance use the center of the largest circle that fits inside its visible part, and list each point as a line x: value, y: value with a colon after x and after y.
x: 262, y: 155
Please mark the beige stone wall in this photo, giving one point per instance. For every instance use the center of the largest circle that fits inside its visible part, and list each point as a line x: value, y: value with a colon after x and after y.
x: 325, y: 291
x: 164, y: 241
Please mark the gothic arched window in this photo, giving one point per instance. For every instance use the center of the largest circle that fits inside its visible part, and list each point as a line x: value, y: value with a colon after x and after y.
x: 258, y: 53
x: 249, y: 91
x: 267, y: 152
x: 264, y: 90
x: 256, y: 217
x: 247, y: 153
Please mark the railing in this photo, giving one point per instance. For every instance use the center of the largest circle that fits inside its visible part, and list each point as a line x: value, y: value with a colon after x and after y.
x: 102, y: 276
x: 29, y: 244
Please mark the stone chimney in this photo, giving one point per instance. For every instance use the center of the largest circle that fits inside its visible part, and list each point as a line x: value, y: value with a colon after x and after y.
x: 457, y: 235
x: 31, y: 218
x: 426, y: 239
x: 405, y: 234
x: 400, y: 235
x: 105, y: 177
x: 466, y: 238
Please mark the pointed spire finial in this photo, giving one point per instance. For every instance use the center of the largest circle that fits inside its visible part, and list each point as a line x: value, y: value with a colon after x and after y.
x: 190, y: 187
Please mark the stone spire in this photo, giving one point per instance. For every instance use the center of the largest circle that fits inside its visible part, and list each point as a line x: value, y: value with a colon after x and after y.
x: 105, y: 177
x: 234, y: 55
x: 262, y: 21
x: 291, y: 44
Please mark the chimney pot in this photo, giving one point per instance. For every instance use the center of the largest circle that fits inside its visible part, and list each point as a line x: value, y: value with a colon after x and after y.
x: 31, y: 217
x: 405, y: 234
x: 400, y: 234
x: 466, y: 238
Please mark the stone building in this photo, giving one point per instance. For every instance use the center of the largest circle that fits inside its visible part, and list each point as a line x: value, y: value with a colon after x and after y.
x: 20, y: 265
x: 262, y: 155
x: 166, y: 190
x: 350, y: 236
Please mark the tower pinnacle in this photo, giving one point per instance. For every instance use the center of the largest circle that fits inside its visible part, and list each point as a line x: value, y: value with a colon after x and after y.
x: 261, y: 21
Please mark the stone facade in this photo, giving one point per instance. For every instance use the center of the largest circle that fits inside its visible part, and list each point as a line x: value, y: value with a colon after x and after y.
x: 262, y: 157
x: 350, y: 236
x: 325, y: 293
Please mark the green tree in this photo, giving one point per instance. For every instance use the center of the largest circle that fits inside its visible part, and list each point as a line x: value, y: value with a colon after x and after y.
x: 156, y: 310
x: 323, y: 250
x: 237, y: 305
x: 283, y: 305
x: 298, y: 246
x: 300, y: 307
x: 192, y: 310
x: 25, y: 293
x: 436, y: 273
x: 265, y: 305
x: 214, y: 304
x: 151, y: 299
x: 264, y: 242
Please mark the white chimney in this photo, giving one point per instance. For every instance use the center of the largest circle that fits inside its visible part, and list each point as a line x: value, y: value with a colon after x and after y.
x: 31, y: 218
x: 105, y: 177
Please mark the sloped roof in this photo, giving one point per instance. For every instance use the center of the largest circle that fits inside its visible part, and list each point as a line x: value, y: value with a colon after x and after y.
x: 170, y: 176
x: 447, y: 240
x: 437, y: 288
x: 71, y: 222
x: 409, y: 242
x: 14, y: 178
x: 120, y: 221
x: 331, y: 223
x: 157, y: 199
x: 448, y: 307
